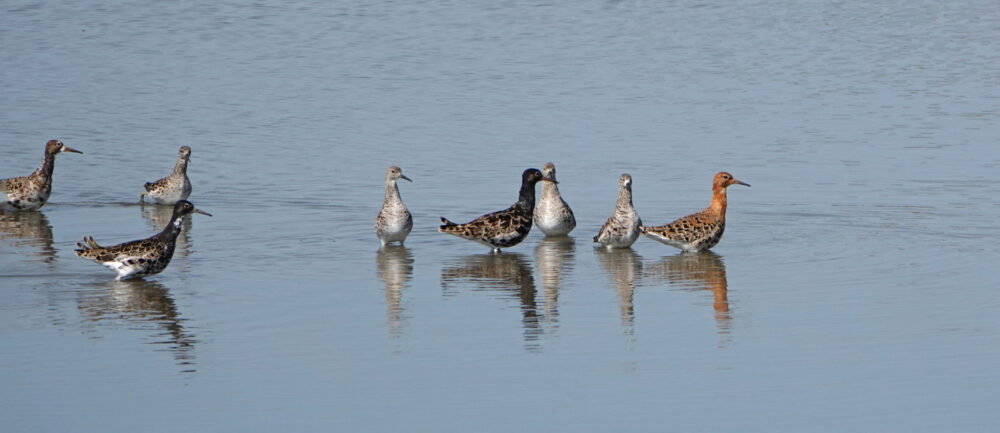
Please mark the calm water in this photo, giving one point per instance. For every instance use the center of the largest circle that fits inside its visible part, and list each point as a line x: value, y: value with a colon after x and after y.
x: 855, y: 288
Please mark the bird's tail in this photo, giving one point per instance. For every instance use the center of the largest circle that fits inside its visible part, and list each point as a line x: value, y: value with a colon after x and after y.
x: 658, y: 234
x: 448, y: 226
x: 88, y: 245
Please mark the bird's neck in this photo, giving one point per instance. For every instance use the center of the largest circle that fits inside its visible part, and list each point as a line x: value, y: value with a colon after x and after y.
x: 181, y: 167
x: 550, y: 189
x: 624, y: 198
x: 392, y: 192
x: 48, y: 163
x: 173, y: 229
x: 718, y: 205
x: 526, y: 198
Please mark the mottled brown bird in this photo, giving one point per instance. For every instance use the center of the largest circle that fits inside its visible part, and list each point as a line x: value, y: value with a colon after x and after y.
x: 32, y: 191
x: 702, y: 230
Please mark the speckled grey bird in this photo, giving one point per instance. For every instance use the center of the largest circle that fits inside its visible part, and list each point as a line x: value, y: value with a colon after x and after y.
x: 173, y: 188
x: 699, y: 231
x: 552, y: 215
x: 504, y: 228
x: 32, y: 191
x: 394, y: 221
x: 142, y: 257
x: 622, y: 229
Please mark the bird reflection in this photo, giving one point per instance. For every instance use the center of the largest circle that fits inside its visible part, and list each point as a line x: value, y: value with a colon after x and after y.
x: 147, y: 305
x: 699, y: 271
x: 505, y: 273
x: 394, y: 265
x: 625, y: 268
x: 158, y: 216
x: 554, y: 258
x: 29, y: 229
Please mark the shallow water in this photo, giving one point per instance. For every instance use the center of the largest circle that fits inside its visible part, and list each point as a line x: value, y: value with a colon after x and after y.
x: 854, y: 288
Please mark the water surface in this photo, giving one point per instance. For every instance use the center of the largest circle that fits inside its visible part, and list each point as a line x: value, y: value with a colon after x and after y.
x: 854, y: 288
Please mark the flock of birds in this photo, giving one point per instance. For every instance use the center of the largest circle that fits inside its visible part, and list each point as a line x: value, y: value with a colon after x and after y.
x: 508, y: 227
x: 130, y: 259
x: 501, y: 229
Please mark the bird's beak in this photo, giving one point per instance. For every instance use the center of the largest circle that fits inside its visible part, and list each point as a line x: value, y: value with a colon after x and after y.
x: 404, y: 177
x: 548, y: 179
x: 741, y: 183
x: 68, y: 149
x: 202, y: 212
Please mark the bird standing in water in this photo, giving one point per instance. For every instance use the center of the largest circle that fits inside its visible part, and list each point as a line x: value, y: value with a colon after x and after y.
x: 699, y: 231
x: 394, y: 221
x: 552, y: 215
x: 173, y: 188
x: 622, y: 228
x: 504, y: 228
x: 32, y: 191
x: 142, y: 257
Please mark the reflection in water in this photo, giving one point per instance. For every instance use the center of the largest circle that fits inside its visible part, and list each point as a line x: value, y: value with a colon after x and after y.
x: 158, y: 217
x: 554, y: 258
x: 29, y: 229
x: 146, y: 305
x: 394, y: 265
x: 625, y: 268
x: 699, y: 271
x: 503, y: 272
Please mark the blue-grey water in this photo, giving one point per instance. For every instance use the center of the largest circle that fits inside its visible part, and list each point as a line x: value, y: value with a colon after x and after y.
x: 855, y: 288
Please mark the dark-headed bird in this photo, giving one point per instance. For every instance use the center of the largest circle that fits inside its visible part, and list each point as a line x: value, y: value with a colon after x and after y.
x: 504, y: 228
x: 142, y: 257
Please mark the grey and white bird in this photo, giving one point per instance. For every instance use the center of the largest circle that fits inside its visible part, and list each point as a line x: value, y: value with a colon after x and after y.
x: 552, y: 215
x: 173, y: 188
x: 622, y: 229
x: 394, y: 222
